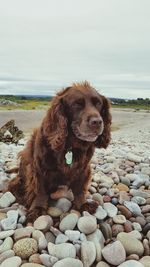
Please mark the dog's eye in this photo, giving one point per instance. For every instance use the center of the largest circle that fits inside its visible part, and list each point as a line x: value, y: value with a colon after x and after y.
x: 79, y: 103
x: 96, y: 102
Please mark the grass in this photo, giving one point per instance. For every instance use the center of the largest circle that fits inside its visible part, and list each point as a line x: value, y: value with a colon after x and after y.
x: 129, y: 106
x: 27, y: 105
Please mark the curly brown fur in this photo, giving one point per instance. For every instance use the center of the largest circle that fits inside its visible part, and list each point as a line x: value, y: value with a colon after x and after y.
x: 78, y: 120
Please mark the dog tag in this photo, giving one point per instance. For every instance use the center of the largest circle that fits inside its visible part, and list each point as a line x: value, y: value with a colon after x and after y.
x: 69, y: 157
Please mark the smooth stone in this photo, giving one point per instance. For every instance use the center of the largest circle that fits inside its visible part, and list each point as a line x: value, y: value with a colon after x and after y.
x: 125, y: 180
x: 8, y: 224
x: 2, y: 215
x: 54, y: 212
x: 35, y: 258
x: 138, y: 200
x: 32, y: 265
x: 120, y: 219
x: 25, y: 247
x: 68, y: 262
x: 136, y: 234
x: 22, y: 233
x: 146, y: 228
x: 100, y: 213
x: 6, y: 254
x: 137, y: 226
x: 98, y: 239
x: 114, y: 201
x: 133, y: 157
x: 43, y: 223
x: 140, y: 193
x: 88, y: 253
x: 6, y: 245
x: 62, y: 251
x: 61, y: 238
x: 141, y: 220
x: 97, y: 197
x: 48, y: 260
x: 68, y: 222
x: 123, y: 196
x: 128, y: 226
x: 102, y: 264
x: 133, y: 257
x: 63, y: 204
x: 110, y: 209
x: 12, y: 262
x: 7, y: 199
x: 73, y: 235
x: 114, y: 253
x: 145, y: 261
x: 131, y: 263
x: 122, y: 187
x: 106, y: 230
x: 106, y: 198
x: 145, y: 209
x: 131, y: 244
x: 7, y: 233
x: 133, y: 207
x: 87, y: 224
x: 116, y: 229
x: 13, y: 214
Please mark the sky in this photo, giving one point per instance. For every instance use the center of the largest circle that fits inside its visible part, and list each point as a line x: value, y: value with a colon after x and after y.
x: 46, y: 45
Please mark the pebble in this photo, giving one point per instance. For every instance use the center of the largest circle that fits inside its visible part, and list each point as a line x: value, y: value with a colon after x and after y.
x: 133, y: 157
x: 131, y: 263
x: 138, y: 200
x: 63, y: 204
x: 87, y: 224
x: 110, y: 209
x: 120, y: 219
x: 61, y: 238
x: 31, y: 265
x: 12, y: 262
x: 133, y: 207
x: 22, y: 233
x: 25, y: 247
x: 73, y: 235
x: 131, y: 244
x: 6, y: 245
x: 102, y: 264
x: 6, y: 254
x: 100, y: 213
x: 68, y: 222
x: 68, y: 262
x: 54, y: 212
x: 43, y: 223
x: 48, y: 260
x: 35, y: 258
x: 125, y: 211
x: 62, y: 251
x: 88, y: 253
x: 5, y: 234
x: 145, y: 261
x: 7, y: 199
x: 114, y: 253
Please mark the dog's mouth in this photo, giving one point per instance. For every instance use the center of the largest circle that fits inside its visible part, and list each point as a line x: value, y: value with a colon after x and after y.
x: 86, y: 136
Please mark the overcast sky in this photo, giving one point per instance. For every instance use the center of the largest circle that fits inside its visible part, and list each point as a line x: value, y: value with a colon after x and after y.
x: 47, y: 44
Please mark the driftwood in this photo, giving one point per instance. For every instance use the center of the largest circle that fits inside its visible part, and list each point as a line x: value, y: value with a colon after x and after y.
x: 9, y: 133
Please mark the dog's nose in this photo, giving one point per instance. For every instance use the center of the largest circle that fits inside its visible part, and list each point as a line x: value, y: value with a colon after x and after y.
x: 95, y: 122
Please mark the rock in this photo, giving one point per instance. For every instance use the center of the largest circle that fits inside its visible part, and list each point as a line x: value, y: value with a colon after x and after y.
x: 140, y: 193
x: 120, y: 219
x: 12, y: 262
x: 110, y: 209
x: 122, y: 187
x: 133, y: 157
x: 97, y: 197
x: 35, y: 258
x: 87, y: 224
x: 133, y: 207
x: 22, y: 233
x: 88, y: 253
x: 8, y: 224
x: 106, y: 230
x: 138, y: 200
x: 68, y: 222
x: 6, y: 254
x: 25, y: 247
x: 145, y: 261
x: 100, y: 213
x: 5, y: 234
x: 43, y: 223
x: 63, y: 204
x: 131, y: 263
x: 7, y: 199
x: 48, y: 260
x: 61, y: 238
x: 54, y: 212
x: 32, y: 265
x: 73, y: 235
x: 116, y: 229
x: 114, y: 253
x: 102, y: 264
x: 62, y: 251
x: 6, y: 245
x: 68, y: 262
x: 131, y: 244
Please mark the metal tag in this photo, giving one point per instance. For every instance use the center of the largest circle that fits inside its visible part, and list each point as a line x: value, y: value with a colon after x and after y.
x: 69, y: 157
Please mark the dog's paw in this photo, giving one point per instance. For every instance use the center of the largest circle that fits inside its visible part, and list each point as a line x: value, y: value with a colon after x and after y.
x: 33, y: 214
x: 90, y: 206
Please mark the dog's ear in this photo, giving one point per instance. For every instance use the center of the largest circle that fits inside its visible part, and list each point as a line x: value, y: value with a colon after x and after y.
x: 55, y: 125
x: 104, y: 139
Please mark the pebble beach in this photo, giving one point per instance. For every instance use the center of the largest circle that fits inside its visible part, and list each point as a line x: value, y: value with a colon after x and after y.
x: 118, y: 234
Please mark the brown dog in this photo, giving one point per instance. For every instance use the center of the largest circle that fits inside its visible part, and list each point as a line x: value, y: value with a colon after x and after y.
x: 60, y: 150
